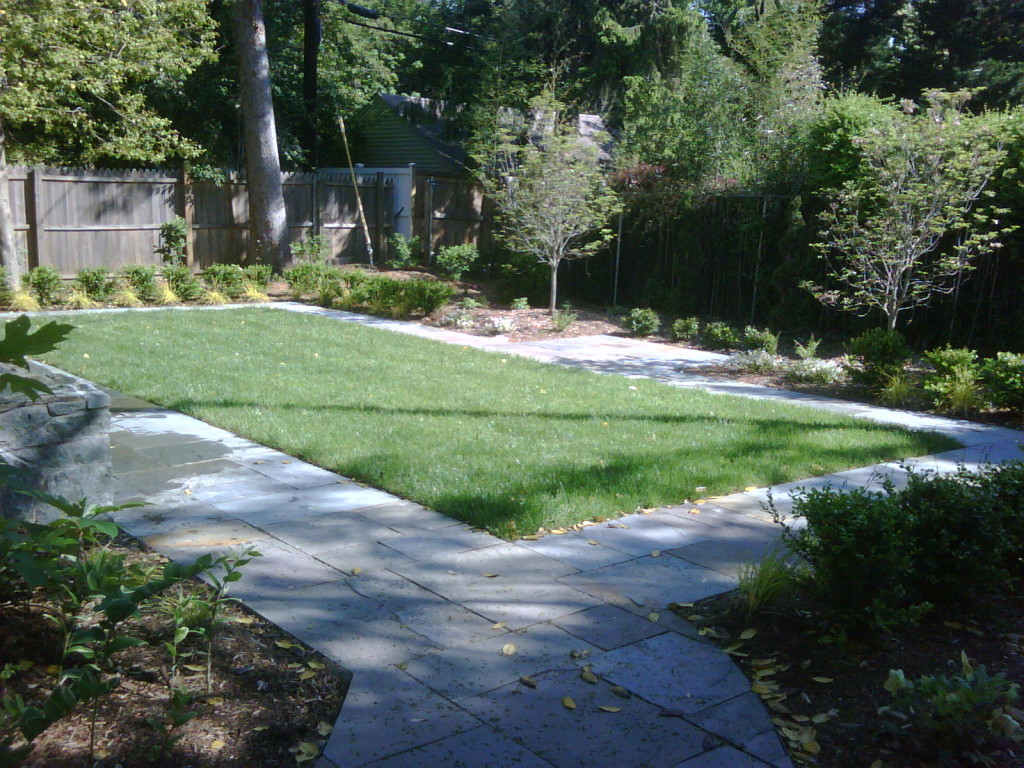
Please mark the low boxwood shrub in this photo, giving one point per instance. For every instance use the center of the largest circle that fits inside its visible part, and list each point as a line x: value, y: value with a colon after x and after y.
x: 44, y: 283
x: 883, y: 558
x: 762, y: 339
x: 382, y: 295
x: 95, y: 282
x: 182, y: 282
x: 882, y: 354
x: 719, y: 335
x: 259, y: 274
x: 1004, y: 377
x: 642, y: 321
x: 309, y: 277
x: 686, y: 328
x: 455, y: 260
x: 228, y: 279
x: 139, y: 279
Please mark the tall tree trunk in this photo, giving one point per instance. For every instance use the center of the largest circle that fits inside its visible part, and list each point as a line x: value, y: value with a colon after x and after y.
x: 8, y: 245
x: 267, y: 224
x: 553, y: 297
x: 310, y: 93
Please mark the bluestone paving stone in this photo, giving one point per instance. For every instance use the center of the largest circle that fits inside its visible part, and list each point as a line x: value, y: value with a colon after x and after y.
x: 169, y: 483
x: 138, y: 441
x: 473, y: 668
x: 516, y: 600
x: 470, y: 749
x: 407, y: 516
x: 499, y: 559
x: 442, y: 621
x: 608, y: 626
x: 333, y: 530
x: 452, y: 539
x: 674, y: 672
x: 279, y: 466
x: 723, y: 757
x: 724, y: 557
x: 149, y: 520
x: 304, y: 502
x: 636, y: 535
x: 768, y: 747
x: 651, y: 582
x: 737, y: 720
x: 586, y: 736
x: 575, y: 550
x: 185, y: 453
x: 281, y: 568
x: 364, y: 555
x: 125, y: 459
x: 242, y: 485
x: 387, y: 712
x: 205, y: 537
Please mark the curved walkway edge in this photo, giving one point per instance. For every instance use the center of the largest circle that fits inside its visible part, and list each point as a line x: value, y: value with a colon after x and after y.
x: 464, y: 647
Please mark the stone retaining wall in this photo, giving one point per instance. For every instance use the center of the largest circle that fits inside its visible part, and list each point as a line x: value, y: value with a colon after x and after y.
x: 61, y: 441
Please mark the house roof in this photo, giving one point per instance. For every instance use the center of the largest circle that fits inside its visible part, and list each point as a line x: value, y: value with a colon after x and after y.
x: 398, y: 130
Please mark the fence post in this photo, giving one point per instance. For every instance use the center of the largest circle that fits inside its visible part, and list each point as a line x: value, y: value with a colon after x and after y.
x: 428, y: 214
x: 36, y: 219
x: 382, y: 241
x: 186, y: 205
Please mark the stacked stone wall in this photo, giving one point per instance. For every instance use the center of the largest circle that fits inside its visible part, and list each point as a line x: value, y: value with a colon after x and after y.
x: 60, y: 443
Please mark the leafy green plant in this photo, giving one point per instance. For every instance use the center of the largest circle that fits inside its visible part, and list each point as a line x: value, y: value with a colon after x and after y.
x: 259, y: 274
x: 77, y: 299
x: 140, y: 279
x: 228, y: 279
x: 643, y: 322
x: 686, y: 328
x: 895, y: 389
x: 946, y: 360
x: 403, y: 251
x: 881, y: 352
x: 762, y: 339
x: 173, y: 239
x: 757, y: 361
x: 955, y: 715
x: 95, y: 282
x: 563, y: 318
x: 383, y: 295
x: 44, y: 283
x: 18, y: 343
x: 719, y: 335
x: 5, y: 287
x: 178, y: 713
x: 312, y: 250
x: 180, y: 279
x: 883, y: 558
x: 520, y: 303
x: 459, y: 318
x: 1004, y: 377
x: 455, y: 260
x: 957, y: 391
x: 763, y: 583
x: 310, y: 277
x: 126, y: 297
x: 808, y: 350
x: 470, y: 303
x: 814, y: 371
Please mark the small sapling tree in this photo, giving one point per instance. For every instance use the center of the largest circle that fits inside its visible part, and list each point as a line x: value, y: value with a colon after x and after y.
x: 552, y: 195
x: 907, y: 228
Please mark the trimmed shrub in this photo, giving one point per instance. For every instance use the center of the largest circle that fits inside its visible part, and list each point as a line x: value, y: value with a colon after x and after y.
x: 454, y: 261
x: 259, y: 274
x: 756, y: 361
x: 718, y: 335
x: 44, y: 283
x: 883, y: 558
x: 1004, y: 377
x: 403, y: 251
x: 180, y: 279
x: 173, y: 238
x: 882, y: 353
x: 955, y: 384
x: 140, y: 280
x: 814, y: 371
x: 228, y: 279
x: 521, y: 303
x: 686, y: 328
x: 756, y: 338
x: 643, y: 322
x: 95, y: 283
x: 308, y: 277
x: 382, y: 295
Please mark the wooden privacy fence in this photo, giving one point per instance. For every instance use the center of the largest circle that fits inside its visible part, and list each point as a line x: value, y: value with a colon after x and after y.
x: 73, y: 218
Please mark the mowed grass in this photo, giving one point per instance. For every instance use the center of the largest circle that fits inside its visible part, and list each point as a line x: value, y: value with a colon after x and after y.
x: 503, y: 443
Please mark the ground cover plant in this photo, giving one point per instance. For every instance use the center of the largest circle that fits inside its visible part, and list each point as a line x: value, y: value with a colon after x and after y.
x: 503, y: 443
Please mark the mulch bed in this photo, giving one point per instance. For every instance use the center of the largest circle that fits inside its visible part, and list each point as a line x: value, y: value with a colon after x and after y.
x: 829, y: 695
x: 269, y: 693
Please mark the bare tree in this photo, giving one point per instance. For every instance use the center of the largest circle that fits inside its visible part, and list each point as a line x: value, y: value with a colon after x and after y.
x: 267, y: 223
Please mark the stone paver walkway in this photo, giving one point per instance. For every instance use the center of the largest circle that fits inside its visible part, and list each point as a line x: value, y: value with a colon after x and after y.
x: 439, y: 623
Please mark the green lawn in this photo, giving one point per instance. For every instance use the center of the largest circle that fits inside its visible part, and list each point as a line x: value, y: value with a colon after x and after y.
x: 505, y: 444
